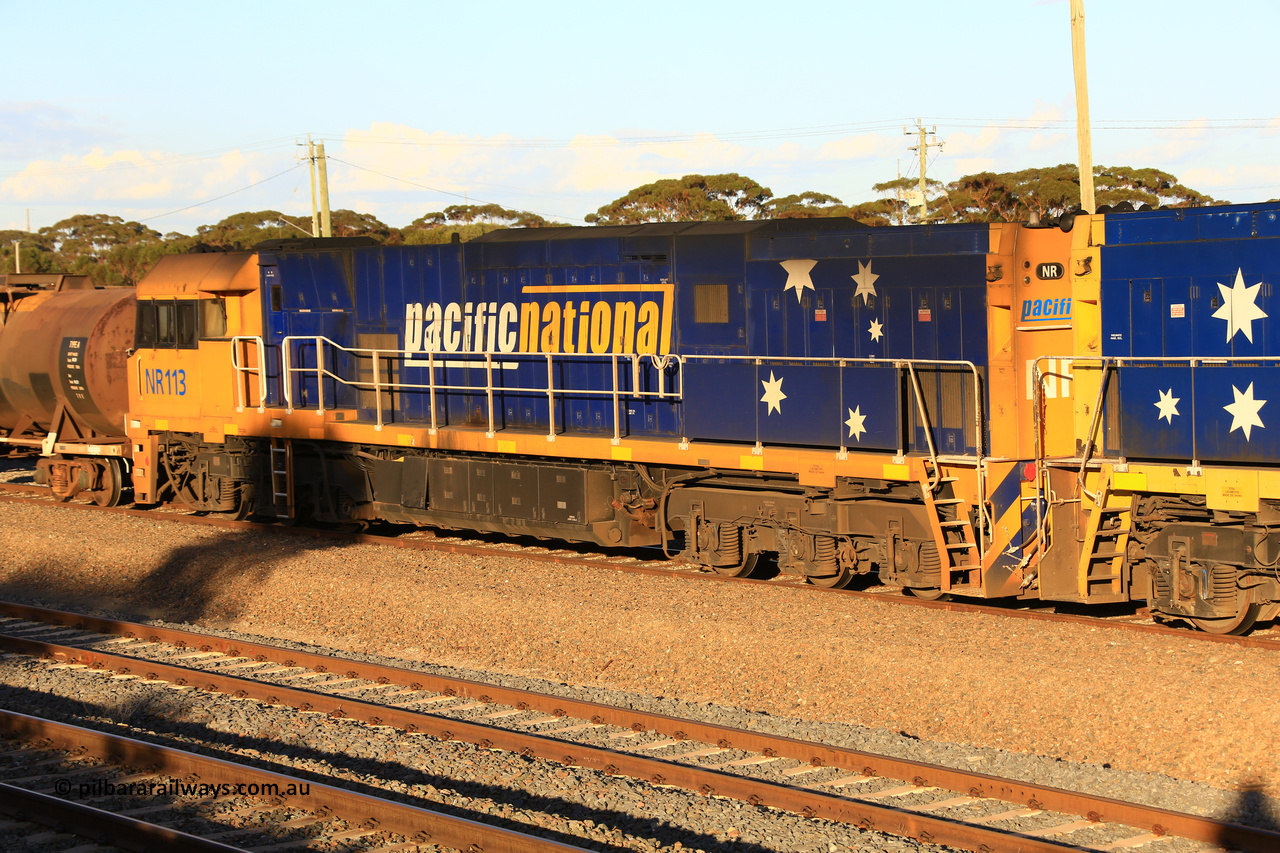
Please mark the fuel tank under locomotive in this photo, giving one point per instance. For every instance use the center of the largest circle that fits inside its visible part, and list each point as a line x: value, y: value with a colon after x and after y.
x: 67, y: 349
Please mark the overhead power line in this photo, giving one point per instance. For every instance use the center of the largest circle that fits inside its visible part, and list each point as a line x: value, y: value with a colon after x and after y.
x: 465, y: 197
x: 700, y: 138
x: 224, y: 195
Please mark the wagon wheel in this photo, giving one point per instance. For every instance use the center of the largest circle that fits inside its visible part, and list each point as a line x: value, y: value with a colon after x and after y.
x: 112, y: 478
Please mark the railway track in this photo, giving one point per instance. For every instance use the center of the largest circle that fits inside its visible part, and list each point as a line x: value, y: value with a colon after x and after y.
x: 1135, y: 621
x: 930, y: 803
x: 219, y: 805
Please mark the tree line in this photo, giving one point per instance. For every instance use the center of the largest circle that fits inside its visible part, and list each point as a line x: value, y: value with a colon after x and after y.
x: 118, y: 253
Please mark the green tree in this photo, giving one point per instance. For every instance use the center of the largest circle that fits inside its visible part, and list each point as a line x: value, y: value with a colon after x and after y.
x: 469, y: 221
x: 1118, y: 184
x: 813, y: 205
x: 349, y: 223
x: 1051, y: 191
x: 693, y: 197
x: 241, y: 231
x: 107, y: 248
x: 36, y: 254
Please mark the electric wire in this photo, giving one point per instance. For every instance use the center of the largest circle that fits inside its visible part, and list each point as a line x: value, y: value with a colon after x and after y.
x: 466, y: 198
x: 699, y: 138
x: 224, y: 195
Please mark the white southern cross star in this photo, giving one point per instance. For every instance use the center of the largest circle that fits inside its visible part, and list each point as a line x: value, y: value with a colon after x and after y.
x: 1239, y: 307
x: 798, y: 275
x: 855, y: 423
x: 876, y: 330
x: 1168, y: 405
x: 1244, y: 411
x: 866, y: 280
x: 772, y: 394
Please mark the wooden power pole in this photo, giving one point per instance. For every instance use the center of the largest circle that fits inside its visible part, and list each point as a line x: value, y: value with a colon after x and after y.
x: 326, y: 229
x: 923, y: 147
x: 311, y: 168
x: 1082, y: 107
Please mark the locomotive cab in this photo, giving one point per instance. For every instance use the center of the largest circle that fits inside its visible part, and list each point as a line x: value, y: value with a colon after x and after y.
x: 196, y: 343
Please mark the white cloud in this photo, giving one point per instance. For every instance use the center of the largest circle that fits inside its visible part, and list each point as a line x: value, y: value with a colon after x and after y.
x: 961, y: 144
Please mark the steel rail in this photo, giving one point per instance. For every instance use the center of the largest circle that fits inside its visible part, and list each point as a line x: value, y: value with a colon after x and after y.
x: 808, y: 802
x: 563, y: 557
x: 103, y: 826
x: 354, y: 808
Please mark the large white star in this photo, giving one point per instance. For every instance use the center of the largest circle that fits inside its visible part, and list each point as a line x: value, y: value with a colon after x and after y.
x: 798, y: 275
x: 866, y: 280
x: 876, y: 330
x: 1244, y: 411
x: 772, y: 394
x: 855, y: 423
x: 1239, y: 307
x: 1168, y: 405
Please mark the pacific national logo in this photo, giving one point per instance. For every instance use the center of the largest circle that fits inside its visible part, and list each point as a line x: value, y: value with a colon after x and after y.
x: 617, y: 318
x: 1046, y: 310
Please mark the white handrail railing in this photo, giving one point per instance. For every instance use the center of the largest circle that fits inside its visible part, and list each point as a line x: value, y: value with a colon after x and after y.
x: 242, y: 369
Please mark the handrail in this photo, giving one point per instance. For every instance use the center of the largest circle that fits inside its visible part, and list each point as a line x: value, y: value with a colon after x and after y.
x: 241, y: 369
x: 1109, y: 365
x: 489, y: 362
x: 482, y: 360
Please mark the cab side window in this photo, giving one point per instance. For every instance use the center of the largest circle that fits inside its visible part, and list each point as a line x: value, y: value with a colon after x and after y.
x: 213, y: 318
x: 144, y: 334
x: 187, y: 315
x: 167, y: 324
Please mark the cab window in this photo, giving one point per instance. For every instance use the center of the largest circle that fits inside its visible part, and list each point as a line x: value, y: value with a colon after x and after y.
x: 213, y: 318
x: 167, y: 324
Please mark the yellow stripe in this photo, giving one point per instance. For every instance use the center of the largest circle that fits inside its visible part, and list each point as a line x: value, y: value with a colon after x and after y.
x: 751, y: 463
x: 596, y: 288
x: 623, y: 453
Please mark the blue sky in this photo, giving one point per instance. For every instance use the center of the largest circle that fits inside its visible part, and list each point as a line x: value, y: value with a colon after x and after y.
x: 177, y: 114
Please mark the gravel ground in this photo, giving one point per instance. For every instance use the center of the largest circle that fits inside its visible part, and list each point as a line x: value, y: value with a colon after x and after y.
x: 1159, y: 720
x: 576, y: 806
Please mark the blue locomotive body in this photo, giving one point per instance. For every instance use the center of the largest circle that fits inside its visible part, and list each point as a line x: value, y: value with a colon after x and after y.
x: 1187, y: 315
x: 615, y: 304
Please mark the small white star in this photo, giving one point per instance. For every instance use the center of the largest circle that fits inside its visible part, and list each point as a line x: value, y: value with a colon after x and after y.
x: 866, y: 280
x: 1168, y: 405
x: 855, y: 423
x: 772, y: 394
x: 1239, y: 307
x: 1244, y: 411
x: 798, y: 275
x: 876, y: 330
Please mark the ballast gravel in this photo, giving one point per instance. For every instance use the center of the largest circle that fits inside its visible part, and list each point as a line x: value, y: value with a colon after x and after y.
x: 1154, y: 719
x: 573, y: 805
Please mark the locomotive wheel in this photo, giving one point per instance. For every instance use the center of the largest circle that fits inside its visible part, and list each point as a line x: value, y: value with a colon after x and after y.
x: 1244, y: 619
x: 841, y: 579
x: 932, y: 594
x: 747, y: 568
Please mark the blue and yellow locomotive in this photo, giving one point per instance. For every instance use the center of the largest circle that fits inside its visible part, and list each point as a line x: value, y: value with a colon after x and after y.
x: 1074, y: 412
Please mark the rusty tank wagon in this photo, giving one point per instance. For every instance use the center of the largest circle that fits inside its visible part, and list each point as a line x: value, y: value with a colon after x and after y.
x: 64, y: 348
